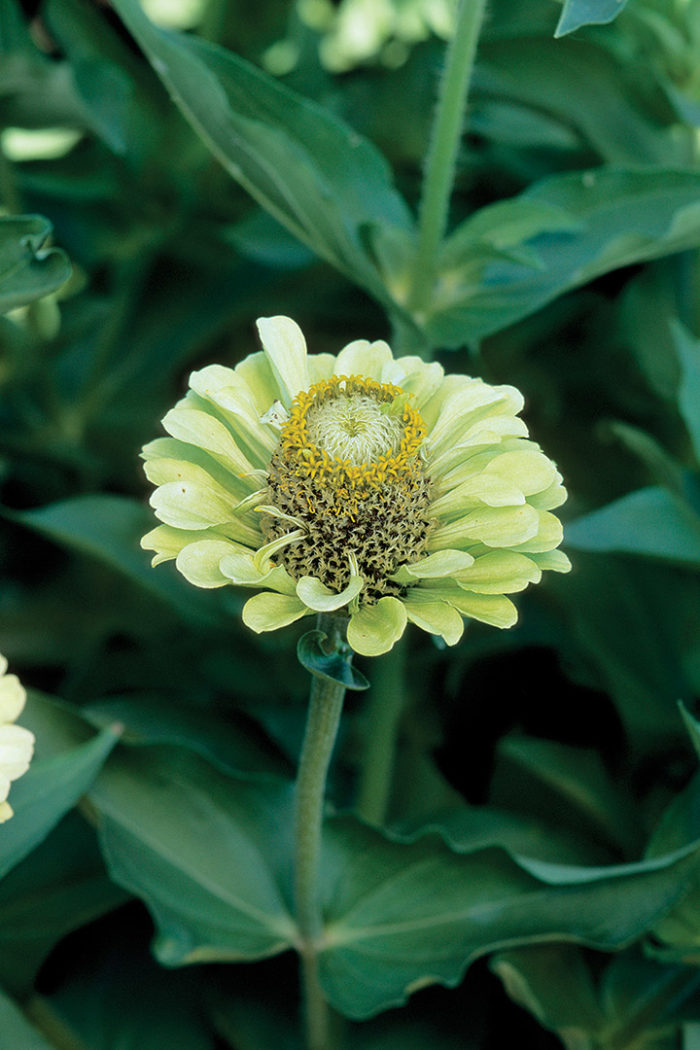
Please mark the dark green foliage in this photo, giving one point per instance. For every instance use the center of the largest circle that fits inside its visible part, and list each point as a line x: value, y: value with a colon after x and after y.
x: 544, y: 812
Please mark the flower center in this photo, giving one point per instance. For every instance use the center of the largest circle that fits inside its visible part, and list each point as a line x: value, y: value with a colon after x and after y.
x: 348, y: 471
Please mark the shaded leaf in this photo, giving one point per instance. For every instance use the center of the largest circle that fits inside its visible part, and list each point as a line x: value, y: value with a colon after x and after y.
x: 577, y: 13
x: 650, y: 522
x: 29, y: 269
x: 324, y: 182
x: 109, y: 528
x: 16, y: 1030
x: 403, y: 914
x: 617, y: 216
x: 688, y: 351
x: 47, y: 791
x: 207, y: 853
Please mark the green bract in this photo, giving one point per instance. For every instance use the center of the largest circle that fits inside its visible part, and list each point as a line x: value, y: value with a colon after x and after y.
x: 16, y: 743
x: 452, y: 514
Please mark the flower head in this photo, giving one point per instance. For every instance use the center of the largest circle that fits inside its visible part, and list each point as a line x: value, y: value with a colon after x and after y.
x: 16, y: 743
x: 362, y: 482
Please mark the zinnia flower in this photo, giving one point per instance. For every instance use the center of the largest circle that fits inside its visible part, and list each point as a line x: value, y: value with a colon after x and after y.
x: 16, y: 743
x: 360, y: 482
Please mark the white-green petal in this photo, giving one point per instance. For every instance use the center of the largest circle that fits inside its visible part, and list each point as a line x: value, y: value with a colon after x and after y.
x: 493, y: 526
x: 12, y: 697
x: 320, y: 598
x: 320, y: 366
x: 256, y: 373
x: 166, y: 541
x: 285, y: 349
x: 414, y: 376
x: 529, y: 469
x: 500, y: 572
x: 487, y: 489
x: 199, y: 562
x: 373, y: 629
x: 493, y: 609
x: 190, y: 505
x: 550, y: 498
x: 230, y: 395
x: 435, y: 617
x: 16, y: 750
x: 268, y: 611
x: 554, y: 561
x: 362, y: 358
x: 206, y: 432
x: 239, y: 567
x: 441, y: 563
x: 548, y: 536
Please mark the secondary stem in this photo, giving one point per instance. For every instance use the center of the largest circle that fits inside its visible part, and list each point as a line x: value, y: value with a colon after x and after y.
x: 384, y: 709
x: 444, y: 145
x: 323, y: 719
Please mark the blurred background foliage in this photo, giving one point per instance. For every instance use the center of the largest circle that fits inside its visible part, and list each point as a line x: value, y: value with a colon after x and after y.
x: 560, y: 740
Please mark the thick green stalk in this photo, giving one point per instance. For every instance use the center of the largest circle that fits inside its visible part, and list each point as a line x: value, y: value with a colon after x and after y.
x: 384, y: 709
x: 442, y: 154
x: 323, y: 719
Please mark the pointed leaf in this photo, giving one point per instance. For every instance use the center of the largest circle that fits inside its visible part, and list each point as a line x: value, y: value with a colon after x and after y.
x: 208, y: 853
x: 319, y: 178
x: 28, y: 269
x: 403, y: 914
x: 577, y: 13
x: 335, y: 666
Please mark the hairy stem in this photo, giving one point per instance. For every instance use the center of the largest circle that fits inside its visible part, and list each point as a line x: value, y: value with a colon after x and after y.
x: 442, y: 154
x: 323, y: 719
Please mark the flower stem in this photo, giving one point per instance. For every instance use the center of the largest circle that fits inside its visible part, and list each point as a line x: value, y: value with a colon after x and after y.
x: 444, y: 145
x: 384, y: 709
x: 325, y: 707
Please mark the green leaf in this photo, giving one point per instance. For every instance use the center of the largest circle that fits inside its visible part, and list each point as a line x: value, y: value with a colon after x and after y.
x: 400, y: 915
x: 109, y: 528
x: 650, y: 522
x: 688, y: 351
x: 323, y: 181
x: 47, y: 791
x: 693, y: 727
x: 579, y: 13
x: 29, y: 269
x: 553, y: 982
x: 574, y: 787
x: 208, y: 853
x: 16, y: 1030
x: 335, y: 666
x: 61, y: 886
x: 616, y: 217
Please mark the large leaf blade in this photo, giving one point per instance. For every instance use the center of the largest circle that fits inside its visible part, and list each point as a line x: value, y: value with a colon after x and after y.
x: 574, y: 228
x: 324, y: 182
x: 404, y: 914
x: 206, y: 852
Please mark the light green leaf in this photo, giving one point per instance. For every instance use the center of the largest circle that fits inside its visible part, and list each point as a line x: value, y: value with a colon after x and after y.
x: 617, y: 216
x: 324, y: 182
x: 47, y: 791
x: 650, y: 522
x: 208, y: 853
x: 579, y: 13
x: 688, y: 351
x: 16, y: 1030
x: 400, y: 915
x: 29, y: 269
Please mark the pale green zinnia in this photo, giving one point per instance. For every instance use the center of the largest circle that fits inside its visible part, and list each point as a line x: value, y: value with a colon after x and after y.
x: 16, y: 743
x: 357, y: 482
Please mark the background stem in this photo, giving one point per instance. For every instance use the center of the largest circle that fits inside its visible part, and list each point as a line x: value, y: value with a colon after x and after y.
x: 384, y: 709
x: 323, y: 719
x: 444, y: 146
